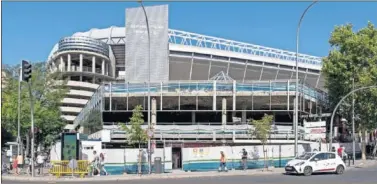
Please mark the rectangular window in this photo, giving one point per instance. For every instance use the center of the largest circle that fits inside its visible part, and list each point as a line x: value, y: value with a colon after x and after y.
x: 331, y: 156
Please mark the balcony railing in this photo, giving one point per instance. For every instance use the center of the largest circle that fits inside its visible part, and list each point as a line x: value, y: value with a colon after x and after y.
x: 215, y: 86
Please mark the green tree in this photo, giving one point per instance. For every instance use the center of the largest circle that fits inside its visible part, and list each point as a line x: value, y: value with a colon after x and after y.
x: 261, y: 131
x: 47, y: 96
x: 353, y: 56
x: 135, y: 133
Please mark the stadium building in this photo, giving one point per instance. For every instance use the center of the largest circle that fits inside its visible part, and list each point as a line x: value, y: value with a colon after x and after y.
x: 202, y: 88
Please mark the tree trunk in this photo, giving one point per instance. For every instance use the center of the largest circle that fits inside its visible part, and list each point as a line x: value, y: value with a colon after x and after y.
x: 363, y: 145
x: 264, y: 157
x: 27, y: 151
x: 140, y: 160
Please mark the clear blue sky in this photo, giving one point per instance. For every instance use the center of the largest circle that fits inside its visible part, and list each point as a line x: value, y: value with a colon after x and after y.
x: 30, y: 29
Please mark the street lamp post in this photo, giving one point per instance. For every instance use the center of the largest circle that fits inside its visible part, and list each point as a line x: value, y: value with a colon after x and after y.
x: 296, y: 93
x: 149, y: 81
x: 353, y: 122
x: 336, y: 108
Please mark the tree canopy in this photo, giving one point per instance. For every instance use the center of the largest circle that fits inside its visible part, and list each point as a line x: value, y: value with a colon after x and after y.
x: 262, y: 128
x: 136, y: 134
x: 353, y: 56
x: 261, y: 131
x: 47, y: 96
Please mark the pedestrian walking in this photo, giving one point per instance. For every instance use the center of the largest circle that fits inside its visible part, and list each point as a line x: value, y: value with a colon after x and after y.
x: 29, y: 165
x: 342, y: 153
x: 95, y: 164
x: 222, y: 162
x: 40, y: 163
x: 244, y: 159
x: 15, y: 165
x: 102, y: 164
x: 340, y: 150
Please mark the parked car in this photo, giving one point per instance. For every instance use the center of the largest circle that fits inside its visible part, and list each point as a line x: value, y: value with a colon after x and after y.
x: 316, y: 162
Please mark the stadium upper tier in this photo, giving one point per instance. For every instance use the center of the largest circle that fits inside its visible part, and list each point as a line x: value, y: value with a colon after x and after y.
x: 196, y: 57
x: 116, y: 36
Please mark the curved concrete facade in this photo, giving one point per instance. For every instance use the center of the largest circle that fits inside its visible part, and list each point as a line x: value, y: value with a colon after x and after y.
x: 85, y: 63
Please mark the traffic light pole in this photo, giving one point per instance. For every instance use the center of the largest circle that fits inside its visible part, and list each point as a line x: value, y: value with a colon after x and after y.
x: 26, y: 71
x: 19, y: 113
x: 32, y: 130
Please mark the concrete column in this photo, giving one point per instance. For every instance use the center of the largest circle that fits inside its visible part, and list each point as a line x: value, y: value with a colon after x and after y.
x: 110, y: 103
x: 107, y: 68
x: 154, y: 113
x: 62, y: 64
x: 53, y: 66
x: 233, y: 114
x: 293, y: 120
x: 223, y: 117
x: 288, y: 94
x: 193, y: 118
x: 69, y: 62
x: 81, y: 61
x: 93, y: 64
x: 243, y: 117
x: 234, y: 95
x: 103, y: 67
x: 214, y: 96
x: 161, y: 84
x: 310, y: 107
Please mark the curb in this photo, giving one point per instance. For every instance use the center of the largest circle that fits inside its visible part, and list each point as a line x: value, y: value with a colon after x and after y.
x: 201, y: 175
x: 363, y: 165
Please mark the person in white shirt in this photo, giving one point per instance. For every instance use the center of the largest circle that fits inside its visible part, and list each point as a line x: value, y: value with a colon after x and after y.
x: 40, y: 163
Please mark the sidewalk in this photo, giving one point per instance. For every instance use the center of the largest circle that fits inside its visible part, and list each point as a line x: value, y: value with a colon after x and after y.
x: 362, y: 163
x: 173, y: 175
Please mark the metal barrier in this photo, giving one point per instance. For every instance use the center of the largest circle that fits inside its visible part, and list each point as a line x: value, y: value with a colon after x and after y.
x: 60, y: 168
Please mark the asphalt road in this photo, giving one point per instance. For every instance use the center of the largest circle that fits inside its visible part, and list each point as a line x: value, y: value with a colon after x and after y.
x: 355, y: 176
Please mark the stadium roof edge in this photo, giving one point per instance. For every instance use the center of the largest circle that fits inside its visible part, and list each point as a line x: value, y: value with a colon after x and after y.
x: 198, y: 40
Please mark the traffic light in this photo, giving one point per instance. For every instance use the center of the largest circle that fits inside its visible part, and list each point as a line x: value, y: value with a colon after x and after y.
x: 26, y: 71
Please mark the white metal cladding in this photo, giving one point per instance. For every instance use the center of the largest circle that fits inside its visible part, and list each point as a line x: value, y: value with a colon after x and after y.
x: 203, y: 41
x: 197, y: 40
x: 83, y: 43
x: 137, y: 50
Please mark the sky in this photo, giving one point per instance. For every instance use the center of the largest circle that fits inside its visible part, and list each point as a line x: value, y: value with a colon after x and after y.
x: 30, y: 29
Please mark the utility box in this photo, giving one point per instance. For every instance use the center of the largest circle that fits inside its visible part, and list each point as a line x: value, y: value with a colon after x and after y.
x: 158, y: 165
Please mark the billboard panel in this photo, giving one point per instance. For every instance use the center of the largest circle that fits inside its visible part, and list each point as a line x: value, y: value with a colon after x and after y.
x: 70, y: 146
x: 137, y: 50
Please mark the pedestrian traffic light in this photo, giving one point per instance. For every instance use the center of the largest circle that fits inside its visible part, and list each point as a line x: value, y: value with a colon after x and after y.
x: 26, y: 71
